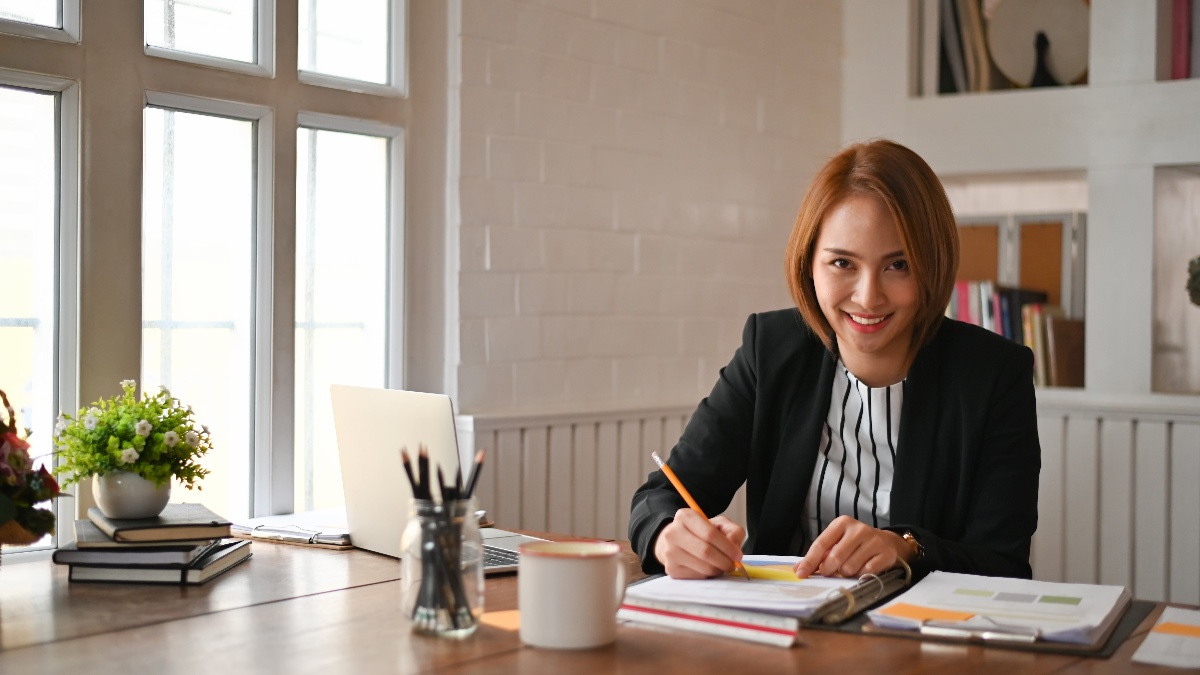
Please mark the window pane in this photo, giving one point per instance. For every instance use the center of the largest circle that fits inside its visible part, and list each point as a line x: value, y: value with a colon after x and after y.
x: 341, y: 293
x: 40, y: 12
x: 198, y: 287
x: 220, y: 28
x: 345, y: 38
x: 27, y: 262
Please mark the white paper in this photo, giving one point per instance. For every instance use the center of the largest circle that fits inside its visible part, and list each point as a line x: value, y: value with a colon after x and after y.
x: 793, y: 598
x: 1074, y: 613
x: 1165, y: 649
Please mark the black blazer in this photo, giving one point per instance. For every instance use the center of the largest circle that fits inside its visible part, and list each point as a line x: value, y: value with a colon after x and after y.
x: 967, y: 462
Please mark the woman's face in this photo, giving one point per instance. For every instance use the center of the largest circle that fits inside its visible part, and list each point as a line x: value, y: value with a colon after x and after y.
x: 865, y: 289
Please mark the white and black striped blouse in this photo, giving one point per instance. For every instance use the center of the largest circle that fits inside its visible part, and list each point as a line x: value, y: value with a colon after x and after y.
x: 857, y: 459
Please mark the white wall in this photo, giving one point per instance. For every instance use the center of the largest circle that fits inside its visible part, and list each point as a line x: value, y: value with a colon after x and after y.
x: 629, y: 173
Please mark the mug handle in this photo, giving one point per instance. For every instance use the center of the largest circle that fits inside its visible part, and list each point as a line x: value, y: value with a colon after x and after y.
x: 620, y: 588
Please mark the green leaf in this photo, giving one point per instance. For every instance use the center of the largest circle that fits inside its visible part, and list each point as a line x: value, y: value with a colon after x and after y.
x: 8, y: 510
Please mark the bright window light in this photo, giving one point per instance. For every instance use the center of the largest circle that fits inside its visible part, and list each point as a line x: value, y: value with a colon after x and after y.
x: 345, y: 38
x: 198, y: 286
x: 341, y: 293
x: 221, y: 28
x: 27, y: 262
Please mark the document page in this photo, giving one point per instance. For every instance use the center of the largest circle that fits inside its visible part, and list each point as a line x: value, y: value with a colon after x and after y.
x: 767, y: 590
x: 1072, y: 613
x: 1174, y: 640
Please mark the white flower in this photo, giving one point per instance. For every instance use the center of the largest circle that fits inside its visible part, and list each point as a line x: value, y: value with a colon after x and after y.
x: 191, y: 438
x: 61, y: 425
x: 90, y: 421
x: 170, y: 438
x: 143, y: 428
x: 163, y: 388
x: 127, y: 383
x: 129, y: 456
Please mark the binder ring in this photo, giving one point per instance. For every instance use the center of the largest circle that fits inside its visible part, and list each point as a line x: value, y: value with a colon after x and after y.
x: 907, y: 571
x: 877, y: 580
x: 848, y: 612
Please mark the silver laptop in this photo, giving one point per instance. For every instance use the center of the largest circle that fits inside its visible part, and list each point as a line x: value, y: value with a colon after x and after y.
x: 372, y: 425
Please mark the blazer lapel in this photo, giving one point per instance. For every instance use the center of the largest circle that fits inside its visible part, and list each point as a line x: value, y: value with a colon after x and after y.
x: 807, y: 399
x: 918, y: 423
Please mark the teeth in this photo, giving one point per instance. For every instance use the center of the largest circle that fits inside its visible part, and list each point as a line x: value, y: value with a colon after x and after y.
x: 867, y: 322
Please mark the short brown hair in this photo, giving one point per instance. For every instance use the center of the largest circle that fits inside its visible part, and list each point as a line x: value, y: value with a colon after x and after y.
x: 917, y: 201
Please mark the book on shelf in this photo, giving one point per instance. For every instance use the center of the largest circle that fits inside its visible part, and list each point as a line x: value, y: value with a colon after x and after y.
x: 88, y: 536
x: 124, y: 554
x: 992, y: 306
x: 1064, y: 351
x: 177, y: 522
x: 217, y: 561
x: 769, y: 607
x: 946, y: 605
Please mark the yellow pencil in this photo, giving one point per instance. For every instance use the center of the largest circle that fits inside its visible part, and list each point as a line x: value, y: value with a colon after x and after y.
x: 687, y: 497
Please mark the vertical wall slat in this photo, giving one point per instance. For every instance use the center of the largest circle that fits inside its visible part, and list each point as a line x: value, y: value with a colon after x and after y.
x: 1116, y: 502
x: 652, y: 441
x: 672, y: 430
x: 629, y: 472
x: 1150, y: 512
x: 534, y: 468
x: 1047, y: 540
x: 583, y: 481
x: 1185, y: 514
x: 1080, y: 510
x: 560, y: 477
x: 508, y: 479
x: 607, y: 456
x: 485, y: 485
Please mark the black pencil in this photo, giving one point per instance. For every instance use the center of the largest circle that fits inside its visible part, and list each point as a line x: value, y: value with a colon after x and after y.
x: 408, y: 470
x: 423, y: 472
x: 474, y: 477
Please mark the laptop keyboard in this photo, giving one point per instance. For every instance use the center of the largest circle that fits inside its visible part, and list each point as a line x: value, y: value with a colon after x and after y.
x: 498, y: 557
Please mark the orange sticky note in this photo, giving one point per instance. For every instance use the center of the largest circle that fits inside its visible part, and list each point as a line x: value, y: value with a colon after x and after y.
x: 509, y: 619
x: 1173, y: 628
x: 904, y: 610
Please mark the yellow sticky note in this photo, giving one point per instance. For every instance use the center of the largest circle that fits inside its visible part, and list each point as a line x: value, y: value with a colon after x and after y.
x: 507, y: 620
x: 904, y: 610
x: 774, y: 572
x: 1173, y: 628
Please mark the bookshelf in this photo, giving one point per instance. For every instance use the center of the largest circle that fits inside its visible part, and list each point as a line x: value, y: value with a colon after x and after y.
x: 1113, y: 138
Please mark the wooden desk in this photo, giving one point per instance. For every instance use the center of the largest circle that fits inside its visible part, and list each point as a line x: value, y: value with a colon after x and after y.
x: 295, y: 610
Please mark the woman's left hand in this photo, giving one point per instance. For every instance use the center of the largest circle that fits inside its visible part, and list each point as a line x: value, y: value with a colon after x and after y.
x: 850, y: 548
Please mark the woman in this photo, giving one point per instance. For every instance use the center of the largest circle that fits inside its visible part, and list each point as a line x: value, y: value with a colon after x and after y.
x: 869, y: 429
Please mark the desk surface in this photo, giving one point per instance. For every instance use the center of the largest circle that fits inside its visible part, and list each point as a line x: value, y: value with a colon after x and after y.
x: 295, y: 609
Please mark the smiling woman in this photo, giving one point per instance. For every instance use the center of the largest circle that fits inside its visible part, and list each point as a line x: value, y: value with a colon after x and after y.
x: 870, y: 431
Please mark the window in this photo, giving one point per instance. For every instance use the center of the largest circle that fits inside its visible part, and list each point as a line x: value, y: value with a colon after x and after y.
x: 198, y: 283
x: 190, y: 219
x: 38, y: 12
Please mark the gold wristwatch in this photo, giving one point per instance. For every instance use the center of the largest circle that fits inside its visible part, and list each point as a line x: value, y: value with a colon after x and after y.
x: 911, y: 540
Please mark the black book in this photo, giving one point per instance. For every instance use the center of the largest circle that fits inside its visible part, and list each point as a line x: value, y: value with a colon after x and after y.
x: 218, y: 560
x: 177, y: 522
x: 178, y: 556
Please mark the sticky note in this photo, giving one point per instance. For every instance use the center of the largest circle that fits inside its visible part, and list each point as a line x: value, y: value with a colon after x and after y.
x: 507, y: 620
x: 904, y: 610
x: 1173, y: 628
x: 774, y: 572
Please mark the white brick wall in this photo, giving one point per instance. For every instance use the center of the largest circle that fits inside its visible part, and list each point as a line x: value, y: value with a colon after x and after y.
x: 629, y: 173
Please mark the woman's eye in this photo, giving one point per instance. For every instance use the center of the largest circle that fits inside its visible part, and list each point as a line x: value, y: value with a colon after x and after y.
x: 901, y: 265
x: 841, y: 263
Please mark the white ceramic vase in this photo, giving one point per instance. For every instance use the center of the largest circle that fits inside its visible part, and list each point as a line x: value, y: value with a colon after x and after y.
x: 124, y: 494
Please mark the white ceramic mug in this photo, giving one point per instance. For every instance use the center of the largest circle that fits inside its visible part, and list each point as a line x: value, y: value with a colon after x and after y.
x: 569, y: 593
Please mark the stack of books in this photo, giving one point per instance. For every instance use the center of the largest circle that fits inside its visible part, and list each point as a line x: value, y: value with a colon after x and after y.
x: 187, y: 544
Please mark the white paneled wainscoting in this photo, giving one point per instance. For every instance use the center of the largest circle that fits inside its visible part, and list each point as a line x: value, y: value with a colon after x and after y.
x: 1119, y: 497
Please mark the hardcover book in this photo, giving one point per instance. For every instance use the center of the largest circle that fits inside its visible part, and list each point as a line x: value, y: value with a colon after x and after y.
x: 180, y: 556
x: 88, y: 536
x: 178, y: 522
x: 219, y: 559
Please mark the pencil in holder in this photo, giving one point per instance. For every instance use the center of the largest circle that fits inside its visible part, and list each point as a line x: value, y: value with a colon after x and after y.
x: 442, y: 571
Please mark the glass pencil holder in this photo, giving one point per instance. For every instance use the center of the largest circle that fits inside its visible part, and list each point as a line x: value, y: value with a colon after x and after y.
x: 442, y: 569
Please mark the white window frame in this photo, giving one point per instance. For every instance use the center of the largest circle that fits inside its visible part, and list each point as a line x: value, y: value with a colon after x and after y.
x: 397, y: 63
x: 264, y: 42
x: 66, y: 333
x: 262, y: 462
x: 68, y: 33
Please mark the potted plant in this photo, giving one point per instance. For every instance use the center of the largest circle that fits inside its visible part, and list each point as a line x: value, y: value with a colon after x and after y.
x: 133, y: 447
x: 21, y: 487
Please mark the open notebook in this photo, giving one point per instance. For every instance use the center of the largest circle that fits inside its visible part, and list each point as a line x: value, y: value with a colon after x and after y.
x: 372, y: 425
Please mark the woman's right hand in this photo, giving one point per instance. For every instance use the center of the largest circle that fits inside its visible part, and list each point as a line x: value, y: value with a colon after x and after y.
x: 694, y: 547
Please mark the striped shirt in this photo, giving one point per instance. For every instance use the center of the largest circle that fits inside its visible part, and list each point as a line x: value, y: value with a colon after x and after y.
x: 853, y: 474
